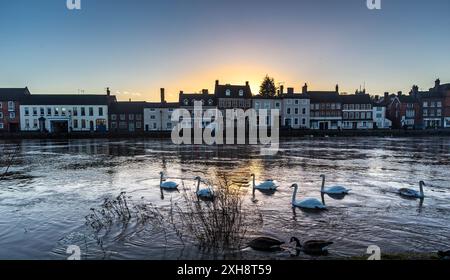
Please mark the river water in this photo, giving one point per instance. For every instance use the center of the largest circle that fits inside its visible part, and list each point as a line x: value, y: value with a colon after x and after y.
x: 52, y: 185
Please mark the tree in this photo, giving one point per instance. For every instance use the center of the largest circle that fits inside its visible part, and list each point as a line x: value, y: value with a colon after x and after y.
x: 268, y: 88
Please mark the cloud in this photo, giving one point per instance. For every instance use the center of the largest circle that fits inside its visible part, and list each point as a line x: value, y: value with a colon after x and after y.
x: 128, y: 93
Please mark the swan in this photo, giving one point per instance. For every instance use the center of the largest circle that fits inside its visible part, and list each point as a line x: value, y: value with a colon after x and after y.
x: 412, y: 193
x: 267, y: 244
x: 203, y: 193
x: 169, y: 185
x: 312, y: 247
x: 335, y: 190
x: 268, y: 185
x: 306, y: 203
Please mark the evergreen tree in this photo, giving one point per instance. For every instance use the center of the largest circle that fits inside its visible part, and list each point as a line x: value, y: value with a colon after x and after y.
x: 268, y: 88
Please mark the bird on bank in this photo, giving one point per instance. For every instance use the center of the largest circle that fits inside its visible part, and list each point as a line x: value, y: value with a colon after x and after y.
x: 334, y: 190
x: 410, y: 193
x: 266, y: 244
x: 206, y: 193
x: 307, y: 203
x: 168, y: 185
x: 312, y: 247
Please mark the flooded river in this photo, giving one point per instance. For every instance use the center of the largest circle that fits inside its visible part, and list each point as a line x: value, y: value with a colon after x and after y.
x: 52, y: 185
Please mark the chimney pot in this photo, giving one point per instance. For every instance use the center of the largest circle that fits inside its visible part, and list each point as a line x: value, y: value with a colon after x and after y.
x: 108, y: 91
x: 246, y: 83
x: 217, y: 82
x: 163, y: 95
x: 290, y: 90
x: 281, y: 89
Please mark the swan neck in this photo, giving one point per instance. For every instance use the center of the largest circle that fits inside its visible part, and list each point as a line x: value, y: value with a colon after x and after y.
x: 294, y: 195
x: 254, y: 184
x: 160, y: 180
x: 323, y: 184
x: 198, y: 185
x: 421, y: 189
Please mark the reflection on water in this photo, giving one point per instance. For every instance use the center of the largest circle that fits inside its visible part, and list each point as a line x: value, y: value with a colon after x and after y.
x: 53, y: 184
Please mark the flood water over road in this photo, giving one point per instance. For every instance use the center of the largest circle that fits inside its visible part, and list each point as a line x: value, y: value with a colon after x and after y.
x: 52, y: 185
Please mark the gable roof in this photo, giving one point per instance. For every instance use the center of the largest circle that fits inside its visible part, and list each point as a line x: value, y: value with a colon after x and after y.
x: 356, y: 99
x: 13, y: 94
x: 324, y: 96
x: 67, y: 99
x: 220, y: 91
x: 191, y: 97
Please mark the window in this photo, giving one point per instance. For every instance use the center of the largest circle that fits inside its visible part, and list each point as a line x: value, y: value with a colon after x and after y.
x: 42, y: 111
x: 296, y: 102
x: 131, y: 117
x: 100, y: 111
x: 83, y: 111
x: 63, y: 111
x: 425, y: 112
x: 296, y: 111
x: 49, y: 111
x: 139, y: 117
x: 138, y: 125
x: 114, y: 125
x: 35, y: 123
x: 379, y: 109
x: 439, y: 104
x: 12, y: 115
x: 304, y: 121
x: 345, y: 115
x: 363, y: 115
x: 91, y: 111
x: 27, y: 111
x: 1, y: 115
x: 257, y: 105
x: 333, y: 106
x: 1, y: 105
x: 1, y: 125
x: 27, y: 123
x: 357, y: 115
x: 439, y: 112
x: 113, y: 117
x: 288, y: 111
x: 228, y: 92
x: 379, y: 116
x: 277, y: 104
x: 56, y: 111
x: 75, y: 123
x: 34, y: 111
x: 154, y: 125
x: 83, y: 124
x: 369, y: 115
x: 123, y: 125
x: 425, y: 104
x: 241, y: 92
x: 123, y: 117
x: 75, y: 111
x: 169, y: 125
x: 210, y: 102
x: 186, y: 102
x: 296, y: 121
x: 11, y: 106
x: 304, y: 111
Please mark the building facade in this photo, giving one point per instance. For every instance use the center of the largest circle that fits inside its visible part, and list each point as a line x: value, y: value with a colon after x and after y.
x: 295, y: 110
x: 158, y: 116
x: 357, y: 111
x: 326, y: 109
x: 380, y: 120
x: 266, y: 105
x: 188, y: 100
x: 65, y: 113
x: 10, y: 100
x: 233, y: 96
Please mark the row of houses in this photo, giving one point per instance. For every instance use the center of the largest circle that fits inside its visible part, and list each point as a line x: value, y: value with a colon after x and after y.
x: 55, y: 113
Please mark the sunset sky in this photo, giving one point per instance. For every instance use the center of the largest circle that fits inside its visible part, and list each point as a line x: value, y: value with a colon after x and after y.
x: 137, y: 46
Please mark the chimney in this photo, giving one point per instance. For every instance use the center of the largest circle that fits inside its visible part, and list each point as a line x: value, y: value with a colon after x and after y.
x: 337, y: 88
x: 386, y: 95
x: 281, y: 89
x: 217, y: 82
x: 205, y: 91
x: 163, y: 95
x: 377, y: 98
x: 129, y: 100
x: 305, y: 89
x: 437, y: 83
x: 108, y: 92
x: 400, y: 93
x: 290, y: 90
x: 247, y: 83
x: 181, y: 92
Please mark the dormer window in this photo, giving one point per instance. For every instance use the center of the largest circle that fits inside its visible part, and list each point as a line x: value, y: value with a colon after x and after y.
x: 186, y: 102
x: 228, y: 92
x: 210, y: 102
x: 241, y: 92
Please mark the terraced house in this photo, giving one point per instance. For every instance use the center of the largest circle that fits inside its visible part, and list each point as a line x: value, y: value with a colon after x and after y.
x: 295, y: 110
x: 357, y: 111
x: 326, y: 109
x: 10, y: 100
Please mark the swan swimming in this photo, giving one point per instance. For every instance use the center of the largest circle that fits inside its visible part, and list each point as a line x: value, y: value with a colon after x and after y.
x: 306, y: 203
x: 169, y: 185
x: 412, y: 193
x: 268, y: 185
x: 312, y: 247
x: 203, y: 193
x: 334, y: 190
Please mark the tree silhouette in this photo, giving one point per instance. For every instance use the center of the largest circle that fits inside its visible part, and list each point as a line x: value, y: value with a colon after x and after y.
x: 268, y: 88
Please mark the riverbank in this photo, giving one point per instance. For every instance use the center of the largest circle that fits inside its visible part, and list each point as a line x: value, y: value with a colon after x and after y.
x: 283, y: 134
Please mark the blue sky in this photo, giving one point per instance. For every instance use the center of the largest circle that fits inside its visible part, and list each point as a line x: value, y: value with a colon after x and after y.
x: 137, y: 46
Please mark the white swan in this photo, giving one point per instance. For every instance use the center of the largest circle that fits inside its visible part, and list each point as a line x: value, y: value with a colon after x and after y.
x: 336, y: 190
x: 268, y: 185
x: 203, y: 193
x: 306, y: 203
x: 169, y: 185
x: 412, y: 193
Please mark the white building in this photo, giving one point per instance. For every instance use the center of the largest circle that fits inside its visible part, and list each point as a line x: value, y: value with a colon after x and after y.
x: 379, y: 117
x: 158, y: 116
x: 65, y: 113
x: 260, y: 103
x: 296, y: 110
